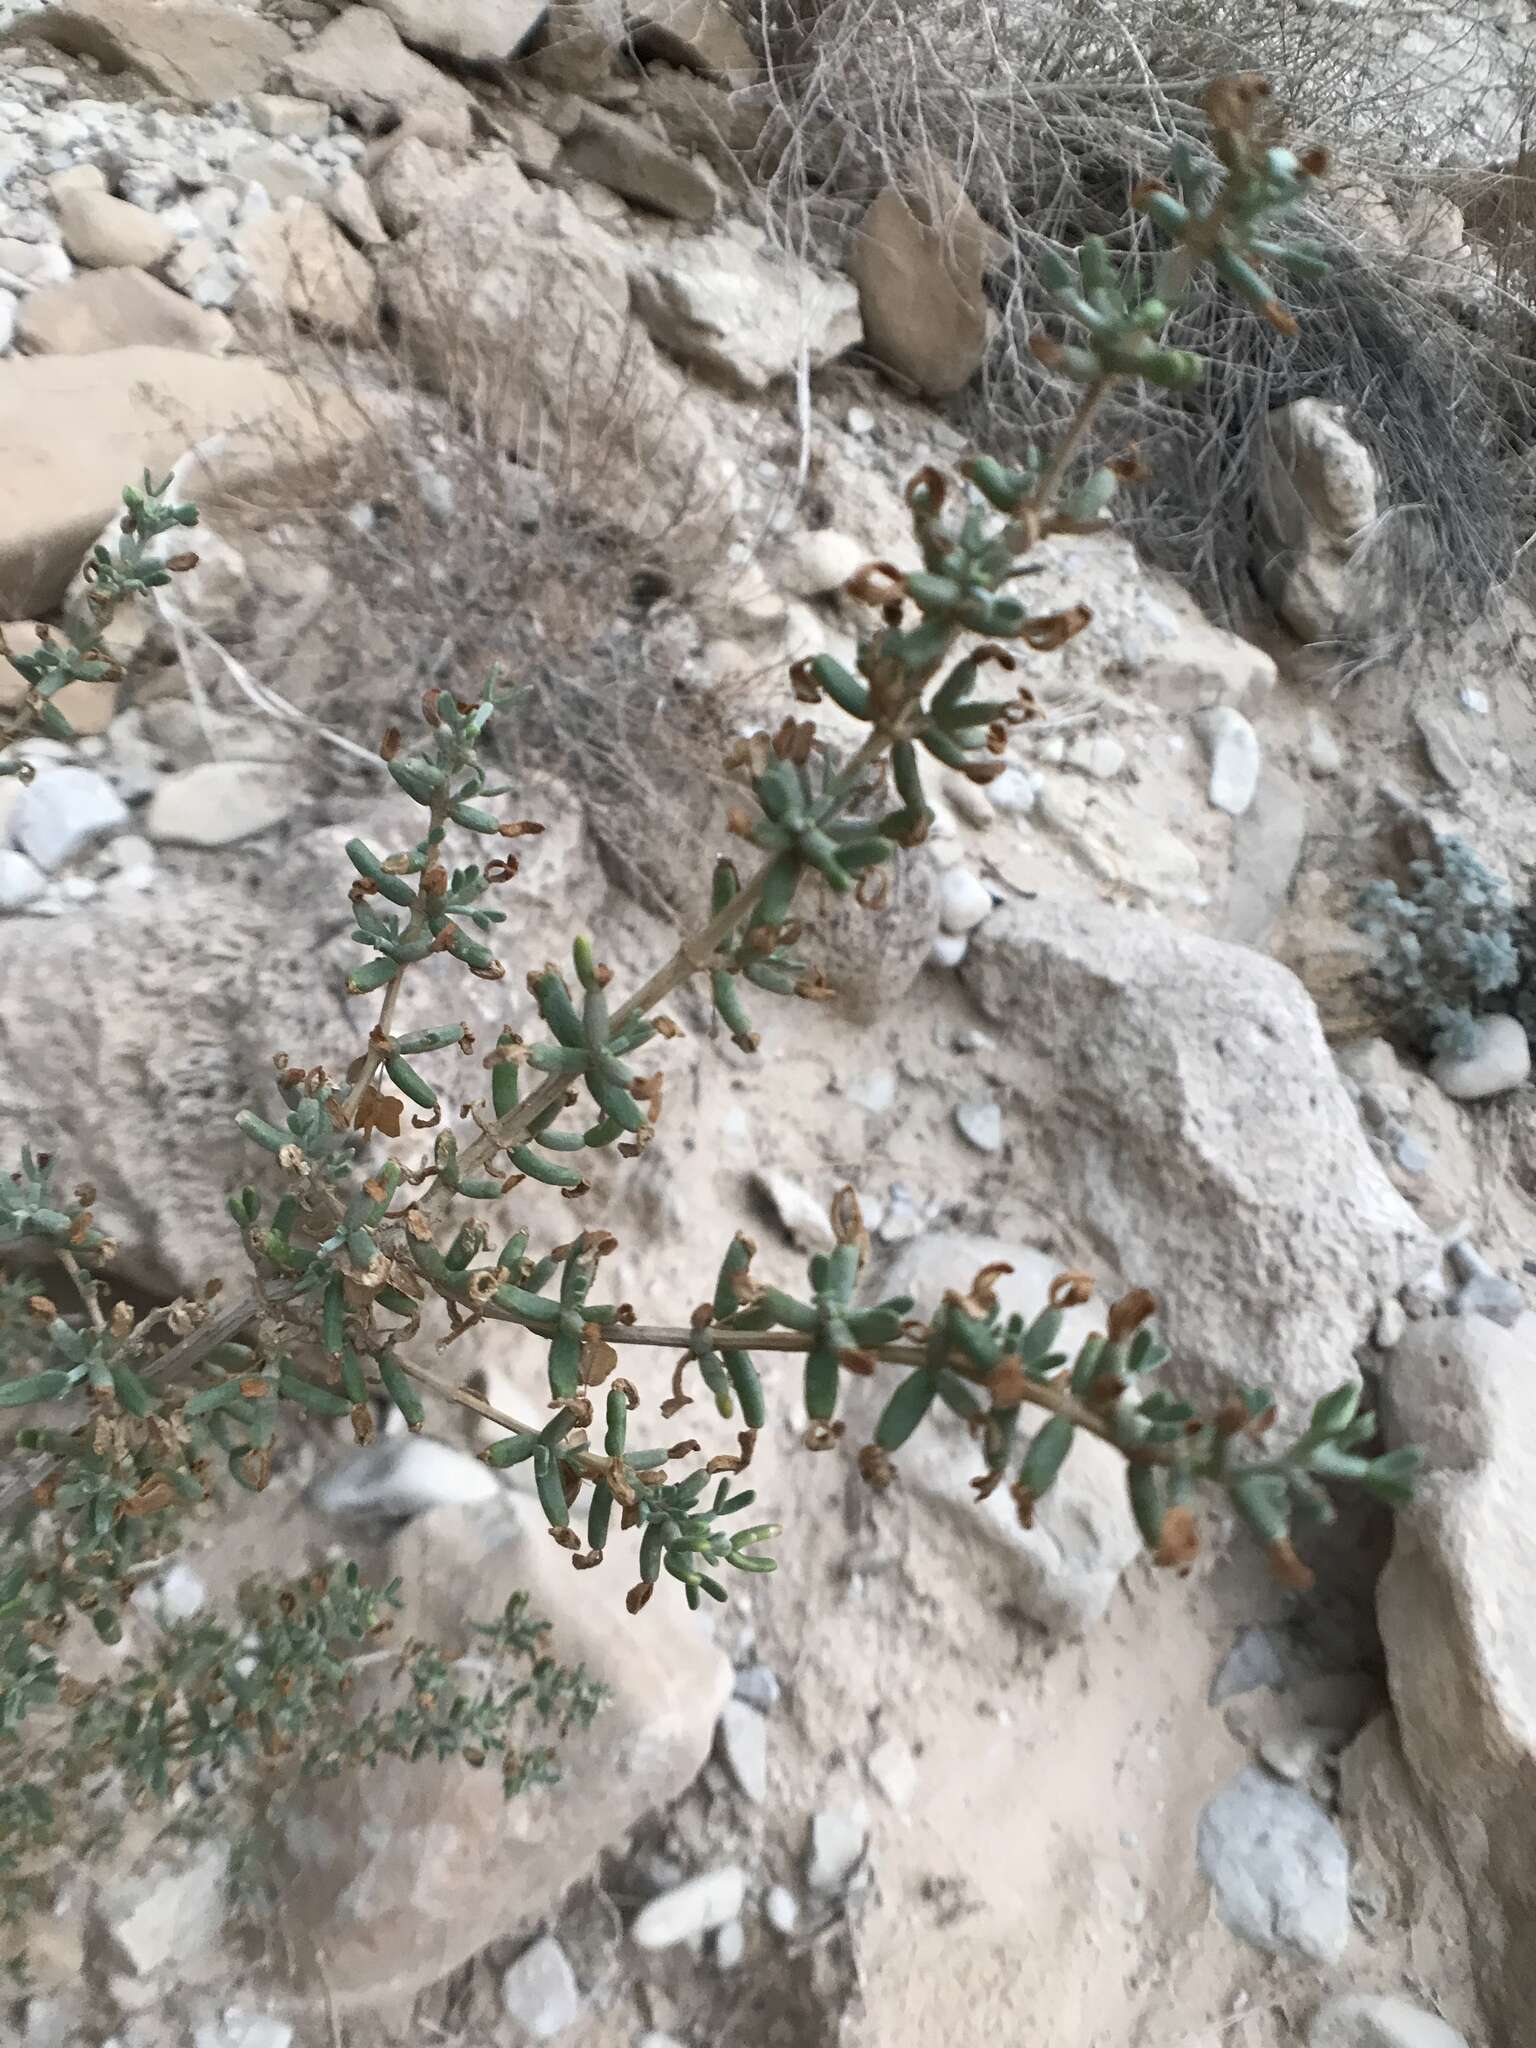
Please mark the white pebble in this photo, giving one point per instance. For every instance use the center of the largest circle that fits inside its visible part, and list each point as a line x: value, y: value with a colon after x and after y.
x: 781, y: 1909
x: 539, y: 1992
x: 1233, y: 748
x: 948, y: 949
x: 839, y: 1836
x: 964, y: 901
x: 400, y: 1479
x: 697, y: 1906
x: 730, y: 1945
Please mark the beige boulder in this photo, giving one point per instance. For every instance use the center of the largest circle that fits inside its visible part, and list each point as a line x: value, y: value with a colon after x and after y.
x: 302, y: 265
x: 1454, y: 1604
x: 100, y: 231
x: 359, y: 66
x: 577, y: 47
x: 195, y: 50
x: 745, y: 315
x: 629, y: 160
x: 1177, y: 1097
x: 700, y: 35
x: 470, y: 31
x: 919, y: 258
x: 106, y: 309
x: 391, y: 1884
x: 77, y: 428
x: 406, y: 183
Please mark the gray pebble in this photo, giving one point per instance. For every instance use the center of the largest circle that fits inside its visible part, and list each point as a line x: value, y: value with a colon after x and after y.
x: 758, y: 1686
x: 742, y: 1739
x: 839, y: 1836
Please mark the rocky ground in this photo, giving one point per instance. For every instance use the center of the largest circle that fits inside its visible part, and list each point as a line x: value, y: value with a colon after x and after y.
x: 463, y: 326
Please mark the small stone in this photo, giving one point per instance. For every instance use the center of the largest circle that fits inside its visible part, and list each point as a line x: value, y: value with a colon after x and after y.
x: 1324, y: 754
x: 1233, y: 748
x: 1500, y: 1059
x: 21, y: 880
x: 1101, y: 756
x: 874, y: 1091
x: 1013, y: 793
x: 1251, y: 1662
x: 396, y: 1480
x: 1483, y: 1291
x: 742, y: 1739
x: 129, y: 850
x: 101, y: 232
x: 276, y: 113
x: 174, y: 1907
x: 243, y: 2030
x: 803, y: 1215
x: 9, y: 305
x: 758, y: 1686
x: 1367, y: 2021
x: 894, y: 1770
x: 970, y: 800
x: 948, y: 949
x: 351, y: 206
x: 539, y: 1992
x: 1391, y: 1325
x: 695, y: 1907
x: 1278, y: 1867
x: 219, y: 802
x: 730, y: 1945
x: 1292, y: 1754
x: 781, y: 1909
x: 63, y: 811
x: 817, y: 564
x: 175, y: 1594
x: 1440, y: 744
x: 1475, y: 701
x: 964, y: 901
x: 655, y: 2040
x: 981, y: 1125
x: 859, y: 420
x: 839, y: 1837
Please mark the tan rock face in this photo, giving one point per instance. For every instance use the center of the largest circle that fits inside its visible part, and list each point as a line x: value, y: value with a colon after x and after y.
x: 107, y: 309
x: 301, y: 264
x: 100, y: 231
x: 511, y: 286
x: 918, y: 259
x: 474, y: 31
x: 1455, y: 1604
x: 700, y: 35
x: 628, y: 159
x: 1317, y: 502
x: 359, y: 66
x: 77, y: 428
x: 743, y: 315
x: 193, y: 50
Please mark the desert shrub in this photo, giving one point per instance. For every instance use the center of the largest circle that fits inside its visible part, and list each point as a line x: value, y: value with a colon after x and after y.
x: 1047, y: 117
x: 373, y: 1247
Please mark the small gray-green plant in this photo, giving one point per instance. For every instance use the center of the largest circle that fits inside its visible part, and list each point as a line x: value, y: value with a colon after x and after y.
x: 367, y: 1254
x: 1448, y: 948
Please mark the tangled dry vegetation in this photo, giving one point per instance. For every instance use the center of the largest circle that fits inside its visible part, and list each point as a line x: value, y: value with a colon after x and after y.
x: 1045, y: 117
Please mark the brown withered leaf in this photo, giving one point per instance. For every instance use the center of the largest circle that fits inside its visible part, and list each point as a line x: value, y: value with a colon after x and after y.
x: 1179, y: 1544
x: 378, y: 1112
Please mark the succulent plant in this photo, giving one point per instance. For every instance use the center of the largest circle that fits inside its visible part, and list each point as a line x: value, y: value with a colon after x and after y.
x: 138, y: 1418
